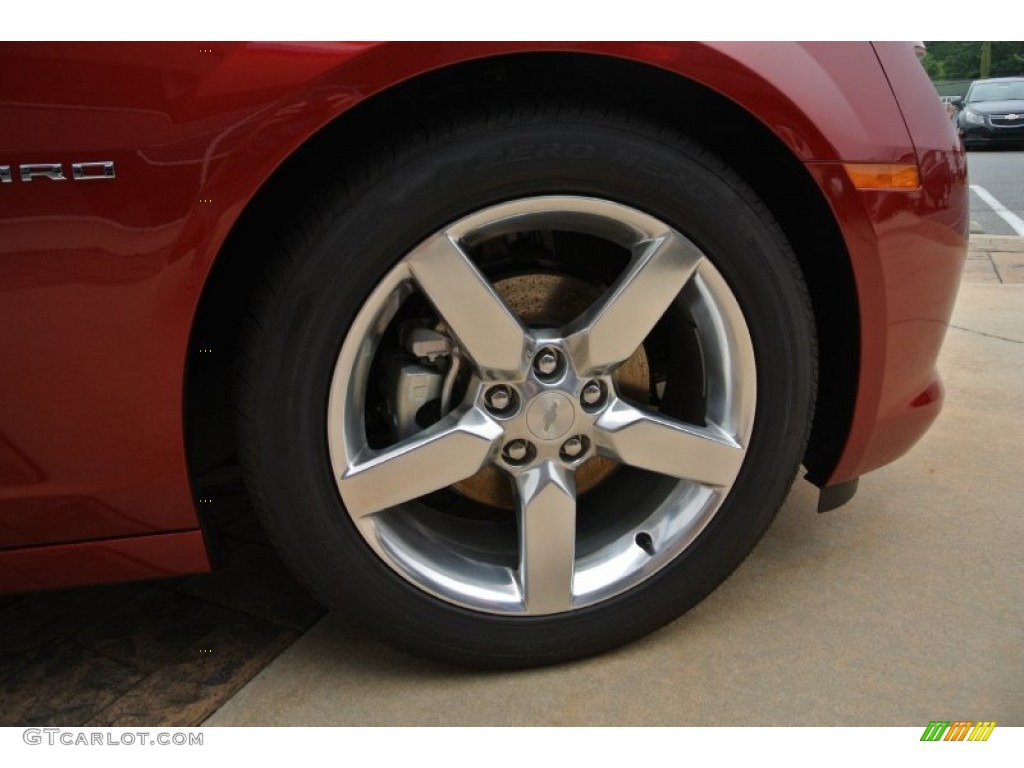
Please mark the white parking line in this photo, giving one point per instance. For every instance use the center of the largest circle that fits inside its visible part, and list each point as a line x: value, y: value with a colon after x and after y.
x: 1016, y: 222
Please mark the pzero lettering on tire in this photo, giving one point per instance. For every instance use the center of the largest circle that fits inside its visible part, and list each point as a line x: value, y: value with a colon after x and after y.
x: 528, y: 389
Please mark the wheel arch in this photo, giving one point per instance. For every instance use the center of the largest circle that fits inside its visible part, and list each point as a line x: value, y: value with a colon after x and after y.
x: 767, y: 162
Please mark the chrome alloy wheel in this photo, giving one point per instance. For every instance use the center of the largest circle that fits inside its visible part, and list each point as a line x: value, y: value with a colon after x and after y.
x: 539, y: 402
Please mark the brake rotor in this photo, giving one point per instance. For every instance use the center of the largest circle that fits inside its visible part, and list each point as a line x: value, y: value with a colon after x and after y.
x: 547, y: 300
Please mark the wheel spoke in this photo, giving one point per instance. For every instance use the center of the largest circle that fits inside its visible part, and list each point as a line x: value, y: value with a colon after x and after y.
x: 449, y: 451
x: 475, y: 313
x: 547, y: 537
x: 613, y: 328
x: 651, y: 441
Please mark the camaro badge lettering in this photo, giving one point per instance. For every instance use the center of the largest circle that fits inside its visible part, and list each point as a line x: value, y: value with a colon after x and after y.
x: 89, y: 171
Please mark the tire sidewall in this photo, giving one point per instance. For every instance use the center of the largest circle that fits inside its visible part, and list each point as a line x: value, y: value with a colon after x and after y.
x: 364, y: 233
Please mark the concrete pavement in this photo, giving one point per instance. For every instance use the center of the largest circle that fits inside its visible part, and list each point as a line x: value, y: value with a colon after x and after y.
x: 902, y: 607
x: 995, y: 259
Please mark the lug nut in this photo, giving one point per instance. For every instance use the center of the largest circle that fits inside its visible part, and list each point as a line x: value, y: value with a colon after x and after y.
x: 593, y: 393
x: 572, y: 447
x: 499, y: 398
x: 546, y: 362
x: 516, y: 451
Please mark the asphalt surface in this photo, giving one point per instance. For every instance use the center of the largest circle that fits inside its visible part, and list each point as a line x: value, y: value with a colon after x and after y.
x: 1001, y: 174
x: 900, y: 608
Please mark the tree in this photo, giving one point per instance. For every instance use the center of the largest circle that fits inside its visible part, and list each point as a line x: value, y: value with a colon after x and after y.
x: 961, y: 60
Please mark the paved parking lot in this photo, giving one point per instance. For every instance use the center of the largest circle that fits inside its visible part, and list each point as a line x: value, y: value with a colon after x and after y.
x: 900, y: 608
x: 997, y: 196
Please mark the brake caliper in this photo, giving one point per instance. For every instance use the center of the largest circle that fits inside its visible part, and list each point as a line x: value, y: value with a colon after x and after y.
x: 417, y: 379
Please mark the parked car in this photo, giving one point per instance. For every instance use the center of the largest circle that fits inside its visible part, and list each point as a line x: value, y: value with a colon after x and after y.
x: 992, y: 113
x: 519, y: 346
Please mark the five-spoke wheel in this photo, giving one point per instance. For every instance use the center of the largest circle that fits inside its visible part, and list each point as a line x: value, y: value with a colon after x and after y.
x: 538, y: 402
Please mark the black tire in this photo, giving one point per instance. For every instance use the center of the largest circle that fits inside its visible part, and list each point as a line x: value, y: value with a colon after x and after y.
x: 336, y: 256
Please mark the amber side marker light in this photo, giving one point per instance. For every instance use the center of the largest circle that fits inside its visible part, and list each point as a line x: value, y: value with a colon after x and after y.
x: 883, y: 175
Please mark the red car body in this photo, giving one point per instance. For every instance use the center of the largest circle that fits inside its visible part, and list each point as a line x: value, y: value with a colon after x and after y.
x: 102, y: 281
